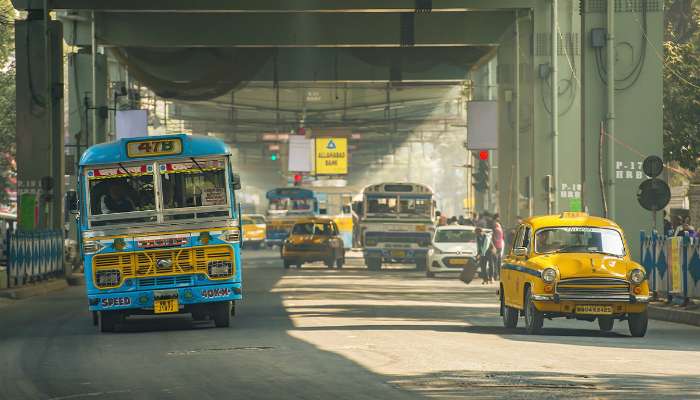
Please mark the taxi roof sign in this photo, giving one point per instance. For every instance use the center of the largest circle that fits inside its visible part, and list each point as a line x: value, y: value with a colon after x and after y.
x: 573, y: 214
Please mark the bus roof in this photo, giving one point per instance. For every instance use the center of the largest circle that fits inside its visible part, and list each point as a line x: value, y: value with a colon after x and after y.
x: 290, y: 192
x: 115, y: 152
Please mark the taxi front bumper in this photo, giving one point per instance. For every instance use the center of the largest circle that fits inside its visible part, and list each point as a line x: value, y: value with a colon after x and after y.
x: 143, y: 299
x: 559, y: 304
x: 307, y: 255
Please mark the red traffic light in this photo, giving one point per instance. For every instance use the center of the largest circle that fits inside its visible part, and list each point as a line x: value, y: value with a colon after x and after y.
x: 483, y: 155
x: 297, y: 178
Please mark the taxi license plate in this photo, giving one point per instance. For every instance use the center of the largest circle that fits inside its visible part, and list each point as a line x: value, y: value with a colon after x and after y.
x: 165, y: 306
x: 457, y: 261
x: 594, y: 309
x: 398, y: 253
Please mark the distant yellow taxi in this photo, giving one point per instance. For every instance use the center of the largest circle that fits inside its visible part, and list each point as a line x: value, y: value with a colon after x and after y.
x: 576, y: 266
x: 254, y: 230
x: 314, y: 239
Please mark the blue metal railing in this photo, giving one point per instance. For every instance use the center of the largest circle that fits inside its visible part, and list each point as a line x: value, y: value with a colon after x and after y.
x: 672, y: 265
x: 34, y: 256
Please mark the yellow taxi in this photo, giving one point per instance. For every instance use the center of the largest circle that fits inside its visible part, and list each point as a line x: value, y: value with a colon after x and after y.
x: 254, y: 230
x: 314, y: 239
x: 576, y: 266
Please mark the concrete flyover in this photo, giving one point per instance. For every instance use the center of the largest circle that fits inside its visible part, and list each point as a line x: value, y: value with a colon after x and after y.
x: 567, y: 139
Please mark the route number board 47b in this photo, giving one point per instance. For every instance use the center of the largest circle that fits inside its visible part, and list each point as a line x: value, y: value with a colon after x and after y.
x: 151, y: 148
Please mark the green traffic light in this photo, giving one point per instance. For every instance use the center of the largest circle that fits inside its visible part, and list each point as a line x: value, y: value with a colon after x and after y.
x: 273, y: 157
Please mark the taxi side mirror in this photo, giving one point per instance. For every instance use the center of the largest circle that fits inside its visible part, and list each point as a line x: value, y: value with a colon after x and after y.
x: 520, y: 251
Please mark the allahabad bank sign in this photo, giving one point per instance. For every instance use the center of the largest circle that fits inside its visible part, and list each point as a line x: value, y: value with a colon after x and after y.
x: 331, y: 156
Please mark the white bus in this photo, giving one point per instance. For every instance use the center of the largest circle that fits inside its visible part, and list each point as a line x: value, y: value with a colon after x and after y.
x: 395, y: 223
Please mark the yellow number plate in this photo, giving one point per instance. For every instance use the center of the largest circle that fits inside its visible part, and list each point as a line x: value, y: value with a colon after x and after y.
x: 398, y: 253
x: 594, y: 309
x: 458, y: 261
x: 165, y: 306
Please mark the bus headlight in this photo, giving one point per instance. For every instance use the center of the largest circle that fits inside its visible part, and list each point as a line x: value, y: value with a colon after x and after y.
x: 231, y: 236
x: 549, y: 275
x: 219, y: 269
x: 92, y: 247
x: 107, y: 278
x: 636, y: 276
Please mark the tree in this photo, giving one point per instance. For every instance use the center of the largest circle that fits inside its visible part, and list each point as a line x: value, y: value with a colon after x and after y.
x: 7, y: 100
x: 682, y: 83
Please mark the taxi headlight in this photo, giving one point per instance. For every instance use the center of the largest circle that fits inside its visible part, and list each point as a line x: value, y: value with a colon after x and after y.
x: 107, y: 278
x: 636, y: 276
x: 549, y: 275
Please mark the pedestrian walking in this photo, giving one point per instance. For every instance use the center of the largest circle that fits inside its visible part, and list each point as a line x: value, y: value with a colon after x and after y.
x: 484, y: 256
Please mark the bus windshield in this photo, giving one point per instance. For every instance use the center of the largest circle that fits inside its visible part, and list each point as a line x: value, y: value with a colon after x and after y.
x: 125, y: 194
x: 291, y: 205
x: 195, y: 183
x: 382, y: 205
x: 415, y: 206
x: 116, y: 191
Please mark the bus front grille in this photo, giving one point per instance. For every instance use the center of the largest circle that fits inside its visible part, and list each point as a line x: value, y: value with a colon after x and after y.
x: 159, y: 263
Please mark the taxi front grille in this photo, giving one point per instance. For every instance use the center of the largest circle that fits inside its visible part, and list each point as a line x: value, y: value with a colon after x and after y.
x: 157, y: 263
x: 592, y: 287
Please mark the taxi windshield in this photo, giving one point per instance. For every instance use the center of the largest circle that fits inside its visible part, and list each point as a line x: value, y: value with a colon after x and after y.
x: 579, y: 239
x: 455, y: 236
x: 311, y: 228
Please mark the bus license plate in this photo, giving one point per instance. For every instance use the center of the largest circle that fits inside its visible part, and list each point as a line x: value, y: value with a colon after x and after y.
x: 165, y: 306
x: 594, y: 309
x: 398, y: 253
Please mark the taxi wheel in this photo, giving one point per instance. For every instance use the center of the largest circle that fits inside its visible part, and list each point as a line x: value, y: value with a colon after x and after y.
x: 221, y: 313
x: 606, y: 323
x: 533, y: 318
x: 107, y: 321
x: 638, y: 323
x: 510, y: 315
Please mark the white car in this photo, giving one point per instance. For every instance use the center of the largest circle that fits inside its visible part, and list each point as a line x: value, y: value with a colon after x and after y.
x: 452, y: 248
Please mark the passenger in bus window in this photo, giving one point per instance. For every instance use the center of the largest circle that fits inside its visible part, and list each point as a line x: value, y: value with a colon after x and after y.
x: 116, y: 200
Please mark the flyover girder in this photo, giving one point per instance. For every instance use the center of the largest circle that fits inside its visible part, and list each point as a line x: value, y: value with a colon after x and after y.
x: 275, y: 5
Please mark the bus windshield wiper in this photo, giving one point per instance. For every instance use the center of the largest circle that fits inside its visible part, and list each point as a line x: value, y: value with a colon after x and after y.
x: 197, y: 164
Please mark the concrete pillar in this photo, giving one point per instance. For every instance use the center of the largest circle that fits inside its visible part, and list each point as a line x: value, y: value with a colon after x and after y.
x: 638, y: 109
x: 566, y: 178
x: 40, y: 148
x: 80, y: 116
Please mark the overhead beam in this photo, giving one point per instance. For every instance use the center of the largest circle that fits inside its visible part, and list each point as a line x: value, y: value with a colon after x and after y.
x: 297, y: 30
x: 274, y: 5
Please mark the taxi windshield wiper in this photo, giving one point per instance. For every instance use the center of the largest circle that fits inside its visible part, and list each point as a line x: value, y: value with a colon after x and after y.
x: 604, y: 252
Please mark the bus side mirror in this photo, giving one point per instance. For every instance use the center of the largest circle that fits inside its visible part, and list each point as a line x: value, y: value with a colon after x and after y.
x: 72, y: 201
x: 236, y: 181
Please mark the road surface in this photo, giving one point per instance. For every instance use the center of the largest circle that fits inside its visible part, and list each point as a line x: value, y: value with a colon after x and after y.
x: 317, y: 333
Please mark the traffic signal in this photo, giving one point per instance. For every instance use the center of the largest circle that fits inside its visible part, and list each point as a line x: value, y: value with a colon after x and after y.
x: 274, y: 156
x: 297, y: 179
x: 481, y: 176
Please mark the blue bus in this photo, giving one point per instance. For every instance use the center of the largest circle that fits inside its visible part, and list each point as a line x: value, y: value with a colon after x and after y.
x: 159, y: 229
x: 285, y: 207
